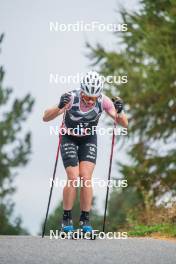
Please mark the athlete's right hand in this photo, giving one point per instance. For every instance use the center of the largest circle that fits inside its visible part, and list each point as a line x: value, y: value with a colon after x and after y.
x: 64, y: 100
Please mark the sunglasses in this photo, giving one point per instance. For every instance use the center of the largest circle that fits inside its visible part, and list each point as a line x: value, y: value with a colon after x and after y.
x: 89, y: 98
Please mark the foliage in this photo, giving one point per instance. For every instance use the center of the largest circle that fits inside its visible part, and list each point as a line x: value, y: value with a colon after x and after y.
x: 14, y: 150
x: 148, y: 57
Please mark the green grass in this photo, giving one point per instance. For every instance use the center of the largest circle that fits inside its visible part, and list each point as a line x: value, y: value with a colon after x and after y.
x: 168, y: 230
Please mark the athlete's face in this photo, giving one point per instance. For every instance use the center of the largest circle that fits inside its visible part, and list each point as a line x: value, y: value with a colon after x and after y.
x: 88, y: 100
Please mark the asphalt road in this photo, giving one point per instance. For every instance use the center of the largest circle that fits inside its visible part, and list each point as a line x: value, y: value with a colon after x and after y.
x: 35, y: 250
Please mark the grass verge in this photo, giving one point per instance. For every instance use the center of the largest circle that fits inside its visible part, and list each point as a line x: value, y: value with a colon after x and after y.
x: 160, y: 230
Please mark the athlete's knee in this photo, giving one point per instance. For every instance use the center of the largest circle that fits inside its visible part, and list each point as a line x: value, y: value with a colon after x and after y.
x: 86, y: 180
x: 72, y: 179
x: 85, y: 175
x: 72, y: 176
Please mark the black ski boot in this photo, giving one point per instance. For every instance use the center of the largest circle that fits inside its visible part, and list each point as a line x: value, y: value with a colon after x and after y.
x: 85, y: 226
x: 67, y: 223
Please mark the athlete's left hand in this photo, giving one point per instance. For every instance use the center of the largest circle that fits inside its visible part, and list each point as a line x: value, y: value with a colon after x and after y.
x: 118, y: 103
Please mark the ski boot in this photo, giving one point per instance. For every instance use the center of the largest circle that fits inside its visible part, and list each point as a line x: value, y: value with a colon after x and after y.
x: 67, y: 228
x: 86, y: 229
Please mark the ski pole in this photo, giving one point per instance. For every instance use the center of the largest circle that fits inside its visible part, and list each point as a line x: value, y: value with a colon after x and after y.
x: 109, y: 176
x: 51, y: 189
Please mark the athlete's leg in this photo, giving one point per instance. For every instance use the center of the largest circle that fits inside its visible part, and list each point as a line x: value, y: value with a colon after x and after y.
x: 70, y: 160
x: 69, y: 192
x: 87, y: 154
x: 85, y: 171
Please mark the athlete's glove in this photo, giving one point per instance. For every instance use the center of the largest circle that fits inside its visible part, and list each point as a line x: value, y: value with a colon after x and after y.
x: 118, y: 103
x: 65, y: 99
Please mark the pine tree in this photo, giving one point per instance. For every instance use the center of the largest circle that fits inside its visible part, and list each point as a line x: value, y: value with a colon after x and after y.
x: 148, y: 58
x: 14, y: 150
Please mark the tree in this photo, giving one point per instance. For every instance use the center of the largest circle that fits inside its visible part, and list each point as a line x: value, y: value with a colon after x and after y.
x: 148, y: 58
x: 14, y: 151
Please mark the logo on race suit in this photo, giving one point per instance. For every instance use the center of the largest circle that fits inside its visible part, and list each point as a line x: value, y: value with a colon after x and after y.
x: 75, y: 118
x: 81, y: 125
x: 86, y: 124
x: 92, y: 149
